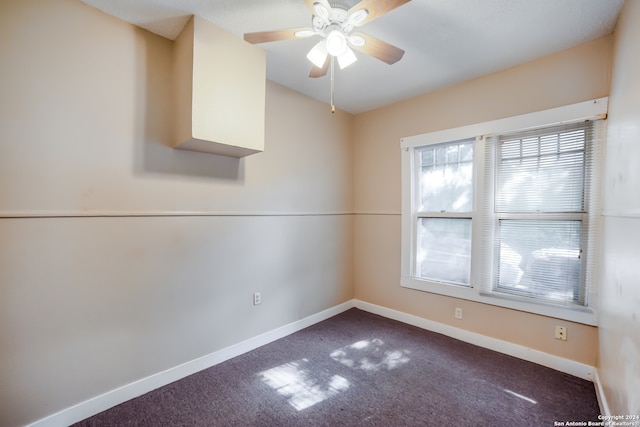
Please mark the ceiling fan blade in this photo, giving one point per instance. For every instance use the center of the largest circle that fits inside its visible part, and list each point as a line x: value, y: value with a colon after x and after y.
x: 375, y: 8
x: 274, y: 36
x: 379, y: 49
x: 319, y: 72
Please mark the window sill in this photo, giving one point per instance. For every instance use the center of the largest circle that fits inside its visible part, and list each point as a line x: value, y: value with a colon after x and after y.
x: 578, y: 314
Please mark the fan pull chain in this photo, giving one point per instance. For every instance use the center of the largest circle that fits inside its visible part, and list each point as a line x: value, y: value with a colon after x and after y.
x: 333, y: 107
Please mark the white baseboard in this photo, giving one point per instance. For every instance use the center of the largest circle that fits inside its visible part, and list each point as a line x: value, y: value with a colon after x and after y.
x: 114, y: 397
x: 561, y: 364
x: 602, y: 397
x: 120, y: 395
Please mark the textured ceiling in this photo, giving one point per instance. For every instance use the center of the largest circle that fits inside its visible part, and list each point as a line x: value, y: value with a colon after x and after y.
x: 446, y: 41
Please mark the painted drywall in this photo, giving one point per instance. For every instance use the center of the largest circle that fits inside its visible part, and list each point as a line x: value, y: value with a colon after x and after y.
x: 571, y: 76
x: 219, y: 102
x: 99, y: 129
x: 128, y: 281
x: 619, y: 356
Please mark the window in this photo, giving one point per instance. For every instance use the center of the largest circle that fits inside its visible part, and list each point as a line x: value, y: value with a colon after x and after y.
x: 541, y: 212
x: 445, y: 194
x: 505, y: 216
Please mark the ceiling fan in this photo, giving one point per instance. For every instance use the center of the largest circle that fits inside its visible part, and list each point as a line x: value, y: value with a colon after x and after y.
x: 335, y: 24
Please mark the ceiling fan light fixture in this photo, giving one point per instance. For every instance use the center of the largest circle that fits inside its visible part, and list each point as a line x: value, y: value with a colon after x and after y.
x: 318, y: 54
x: 336, y: 43
x: 347, y: 58
x: 334, y: 21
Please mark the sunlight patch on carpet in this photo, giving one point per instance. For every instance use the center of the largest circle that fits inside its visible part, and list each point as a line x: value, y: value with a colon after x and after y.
x: 302, y: 386
x: 370, y: 355
x: 528, y: 399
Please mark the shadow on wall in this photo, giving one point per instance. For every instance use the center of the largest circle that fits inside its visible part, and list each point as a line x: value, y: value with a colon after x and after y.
x: 153, y: 152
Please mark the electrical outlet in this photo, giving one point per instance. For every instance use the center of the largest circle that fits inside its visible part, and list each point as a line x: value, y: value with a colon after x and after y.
x: 561, y: 333
x: 458, y: 313
x: 257, y: 298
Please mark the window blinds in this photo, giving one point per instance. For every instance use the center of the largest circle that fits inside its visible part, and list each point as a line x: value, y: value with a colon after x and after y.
x: 543, y: 217
x: 543, y: 170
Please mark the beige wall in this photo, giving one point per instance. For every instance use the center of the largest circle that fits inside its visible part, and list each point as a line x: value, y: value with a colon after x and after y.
x: 572, y: 76
x: 619, y: 358
x: 89, y: 304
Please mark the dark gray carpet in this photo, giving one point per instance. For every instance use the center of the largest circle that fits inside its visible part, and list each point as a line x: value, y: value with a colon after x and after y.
x: 359, y: 369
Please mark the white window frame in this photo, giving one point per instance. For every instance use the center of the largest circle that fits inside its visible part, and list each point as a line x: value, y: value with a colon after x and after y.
x: 589, y: 110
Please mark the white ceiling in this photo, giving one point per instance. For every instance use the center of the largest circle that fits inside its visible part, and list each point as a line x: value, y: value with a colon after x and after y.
x: 446, y: 41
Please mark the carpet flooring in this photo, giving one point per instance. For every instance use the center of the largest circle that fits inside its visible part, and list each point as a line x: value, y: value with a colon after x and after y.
x: 360, y: 369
